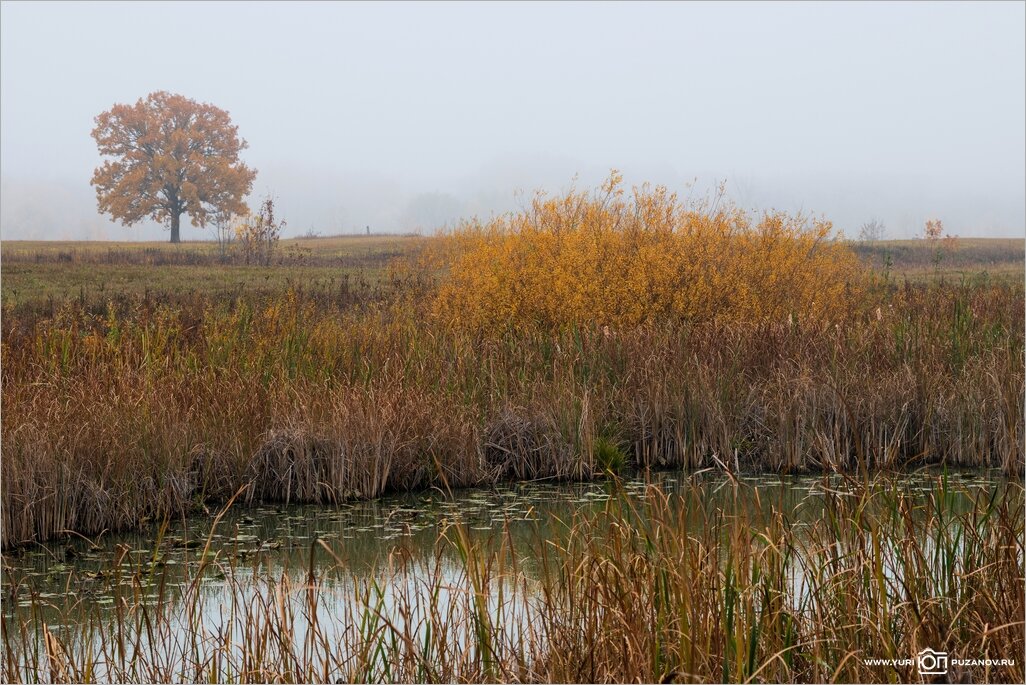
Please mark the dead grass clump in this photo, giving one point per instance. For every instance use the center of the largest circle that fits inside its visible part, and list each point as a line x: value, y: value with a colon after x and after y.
x: 519, y: 445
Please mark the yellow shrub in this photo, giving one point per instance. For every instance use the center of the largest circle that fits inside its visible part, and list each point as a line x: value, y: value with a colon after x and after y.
x: 623, y: 259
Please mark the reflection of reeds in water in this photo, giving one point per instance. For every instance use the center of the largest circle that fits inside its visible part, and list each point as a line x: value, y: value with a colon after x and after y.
x: 659, y: 589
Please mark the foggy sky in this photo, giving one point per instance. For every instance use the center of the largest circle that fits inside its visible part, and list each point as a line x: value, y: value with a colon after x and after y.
x: 406, y: 116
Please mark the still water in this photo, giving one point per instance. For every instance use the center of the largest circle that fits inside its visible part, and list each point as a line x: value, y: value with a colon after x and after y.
x: 366, y: 538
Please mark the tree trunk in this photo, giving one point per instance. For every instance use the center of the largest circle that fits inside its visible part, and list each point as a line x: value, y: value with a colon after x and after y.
x: 175, y: 223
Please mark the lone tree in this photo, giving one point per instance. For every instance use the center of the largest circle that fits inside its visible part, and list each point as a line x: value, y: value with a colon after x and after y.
x: 171, y: 156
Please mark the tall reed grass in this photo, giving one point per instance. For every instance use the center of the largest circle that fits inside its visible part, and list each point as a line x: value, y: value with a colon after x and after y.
x: 687, y: 335
x: 147, y: 410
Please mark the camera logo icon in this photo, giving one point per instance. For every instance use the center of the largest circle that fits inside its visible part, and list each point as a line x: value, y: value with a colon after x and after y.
x: 930, y: 662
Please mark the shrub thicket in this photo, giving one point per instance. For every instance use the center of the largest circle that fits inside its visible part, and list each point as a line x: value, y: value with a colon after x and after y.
x: 622, y: 259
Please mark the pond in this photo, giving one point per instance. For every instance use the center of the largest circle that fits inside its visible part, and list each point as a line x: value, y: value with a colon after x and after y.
x: 383, y: 553
x: 364, y: 534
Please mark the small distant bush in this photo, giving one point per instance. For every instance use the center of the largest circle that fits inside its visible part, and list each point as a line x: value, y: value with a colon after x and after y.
x: 257, y: 235
x: 933, y: 230
x: 621, y: 259
x: 226, y: 228
x: 944, y: 243
x: 872, y: 231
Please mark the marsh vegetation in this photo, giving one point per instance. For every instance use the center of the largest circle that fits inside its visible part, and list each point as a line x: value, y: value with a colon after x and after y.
x: 591, y: 337
x: 688, y: 335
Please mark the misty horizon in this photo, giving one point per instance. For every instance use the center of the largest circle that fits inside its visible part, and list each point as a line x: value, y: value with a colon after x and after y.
x: 405, y: 118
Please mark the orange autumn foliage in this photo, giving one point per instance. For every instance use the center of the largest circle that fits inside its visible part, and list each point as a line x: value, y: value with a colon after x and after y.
x: 621, y: 259
x: 170, y: 156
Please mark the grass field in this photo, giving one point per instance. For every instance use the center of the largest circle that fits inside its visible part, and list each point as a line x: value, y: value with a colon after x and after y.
x: 326, y: 250
x: 917, y: 259
x: 34, y: 272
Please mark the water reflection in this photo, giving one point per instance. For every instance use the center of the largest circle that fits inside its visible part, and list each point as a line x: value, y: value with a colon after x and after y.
x: 364, y: 536
x: 345, y: 576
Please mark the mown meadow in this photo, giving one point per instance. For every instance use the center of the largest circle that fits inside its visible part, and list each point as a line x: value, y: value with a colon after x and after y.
x: 590, y: 335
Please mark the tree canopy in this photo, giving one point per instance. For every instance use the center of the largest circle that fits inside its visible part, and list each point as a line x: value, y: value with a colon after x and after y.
x: 169, y: 155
